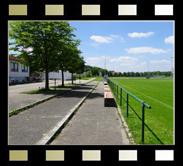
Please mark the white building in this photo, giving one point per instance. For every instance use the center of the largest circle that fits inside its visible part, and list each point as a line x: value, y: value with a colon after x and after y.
x: 58, y: 75
x: 17, y: 72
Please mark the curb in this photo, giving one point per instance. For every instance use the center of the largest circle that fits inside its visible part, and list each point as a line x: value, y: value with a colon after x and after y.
x: 15, y: 112
x: 34, y: 103
x: 60, y: 125
x: 124, y: 124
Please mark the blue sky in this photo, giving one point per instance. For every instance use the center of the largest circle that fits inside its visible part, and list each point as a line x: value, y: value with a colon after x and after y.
x: 127, y: 45
x: 136, y: 46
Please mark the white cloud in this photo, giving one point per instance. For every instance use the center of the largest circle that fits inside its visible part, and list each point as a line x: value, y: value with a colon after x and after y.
x: 115, y: 36
x: 160, y: 62
x: 143, y: 63
x: 161, y: 65
x: 124, y: 60
x: 105, y: 57
x: 122, y: 39
x: 106, y: 39
x: 169, y: 40
x: 139, y: 50
x: 142, y: 56
x: 101, y: 39
x: 141, y: 34
x: 93, y: 59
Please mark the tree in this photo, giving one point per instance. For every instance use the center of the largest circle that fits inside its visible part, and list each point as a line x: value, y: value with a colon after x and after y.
x: 68, y: 54
x: 115, y: 74
x: 81, y: 65
x: 37, y: 43
x: 120, y: 74
x: 95, y: 71
x: 110, y: 73
x: 137, y: 74
x: 76, y: 62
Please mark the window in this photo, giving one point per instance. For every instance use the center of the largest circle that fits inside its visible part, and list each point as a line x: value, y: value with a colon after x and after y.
x: 24, y: 68
x: 14, y: 67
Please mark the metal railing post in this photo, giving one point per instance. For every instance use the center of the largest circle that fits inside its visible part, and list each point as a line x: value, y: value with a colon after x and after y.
x: 117, y: 91
x: 120, y: 96
x: 114, y: 86
x: 142, y: 122
x: 127, y: 104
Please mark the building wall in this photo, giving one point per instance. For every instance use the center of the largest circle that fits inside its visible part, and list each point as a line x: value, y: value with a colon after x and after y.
x: 58, y: 75
x: 18, y: 76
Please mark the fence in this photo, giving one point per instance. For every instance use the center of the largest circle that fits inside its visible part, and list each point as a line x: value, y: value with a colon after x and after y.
x: 114, y: 87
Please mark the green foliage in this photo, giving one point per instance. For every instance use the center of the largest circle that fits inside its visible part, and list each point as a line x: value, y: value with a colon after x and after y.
x: 46, y: 46
x: 43, y: 91
x: 94, y: 71
x: 158, y: 93
x: 98, y: 78
x: 139, y: 74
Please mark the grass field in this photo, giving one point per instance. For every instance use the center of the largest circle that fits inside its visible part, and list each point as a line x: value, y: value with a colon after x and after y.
x: 159, y: 120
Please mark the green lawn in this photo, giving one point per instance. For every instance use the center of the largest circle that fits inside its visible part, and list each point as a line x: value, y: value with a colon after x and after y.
x: 84, y: 78
x: 159, y: 120
x: 98, y: 78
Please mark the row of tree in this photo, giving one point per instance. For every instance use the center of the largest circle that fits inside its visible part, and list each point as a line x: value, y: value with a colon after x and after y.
x: 139, y: 74
x: 94, y: 71
x: 47, y: 46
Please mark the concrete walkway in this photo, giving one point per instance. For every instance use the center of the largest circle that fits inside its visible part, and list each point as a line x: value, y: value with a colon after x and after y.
x: 31, y: 126
x: 17, y: 100
x: 94, y: 124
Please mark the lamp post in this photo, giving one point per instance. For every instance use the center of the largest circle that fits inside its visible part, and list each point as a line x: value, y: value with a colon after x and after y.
x: 105, y: 67
x: 171, y: 66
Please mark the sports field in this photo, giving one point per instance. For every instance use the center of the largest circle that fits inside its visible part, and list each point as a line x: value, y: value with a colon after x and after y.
x: 159, y: 120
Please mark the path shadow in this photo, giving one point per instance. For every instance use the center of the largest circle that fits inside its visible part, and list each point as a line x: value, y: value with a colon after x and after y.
x: 96, y: 95
x: 73, y: 94
x: 60, y: 90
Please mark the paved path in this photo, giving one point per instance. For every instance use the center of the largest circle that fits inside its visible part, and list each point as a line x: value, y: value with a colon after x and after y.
x: 30, y: 126
x: 17, y: 100
x: 94, y: 124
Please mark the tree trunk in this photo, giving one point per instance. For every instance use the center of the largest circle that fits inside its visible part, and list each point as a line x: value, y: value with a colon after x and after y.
x: 47, y: 80
x: 62, y: 77
x: 72, y: 78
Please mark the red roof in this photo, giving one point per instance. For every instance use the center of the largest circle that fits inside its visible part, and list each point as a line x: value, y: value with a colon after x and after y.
x: 14, y: 58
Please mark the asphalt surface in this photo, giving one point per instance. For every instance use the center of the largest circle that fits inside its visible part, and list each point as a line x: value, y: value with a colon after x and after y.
x: 30, y: 126
x: 93, y: 124
x: 17, y: 100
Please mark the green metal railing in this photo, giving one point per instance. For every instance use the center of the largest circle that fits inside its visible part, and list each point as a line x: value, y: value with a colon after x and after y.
x: 114, y: 87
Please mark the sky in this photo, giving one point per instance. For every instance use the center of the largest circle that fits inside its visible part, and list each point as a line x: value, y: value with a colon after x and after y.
x: 136, y: 46
x: 126, y: 46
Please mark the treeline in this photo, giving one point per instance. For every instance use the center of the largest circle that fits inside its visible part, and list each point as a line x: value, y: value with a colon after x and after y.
x: 139, y: 74
x: 47, y: 46
x: 94, y: 71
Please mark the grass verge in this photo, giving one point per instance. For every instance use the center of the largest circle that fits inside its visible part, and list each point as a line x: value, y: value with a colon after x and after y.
x: 159, y: 119
x: 43, y: 91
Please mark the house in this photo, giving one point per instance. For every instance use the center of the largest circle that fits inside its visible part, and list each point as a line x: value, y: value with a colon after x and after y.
x: 17, y: 72
x: 113, y: 73
x: 58, y: 75
x: 20, y: 74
